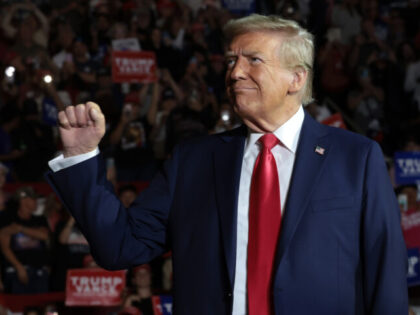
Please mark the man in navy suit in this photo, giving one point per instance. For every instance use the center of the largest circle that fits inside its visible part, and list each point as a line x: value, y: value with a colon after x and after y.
x: 339, y: 249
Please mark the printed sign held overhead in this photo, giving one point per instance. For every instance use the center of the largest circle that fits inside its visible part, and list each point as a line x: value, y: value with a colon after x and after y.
x: 134, y: 66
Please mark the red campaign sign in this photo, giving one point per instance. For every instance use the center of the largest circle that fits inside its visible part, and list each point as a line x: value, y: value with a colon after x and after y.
x: 94, y: 286
x: 335, y: 120
x: 134, y: 66
x: 410, y: 222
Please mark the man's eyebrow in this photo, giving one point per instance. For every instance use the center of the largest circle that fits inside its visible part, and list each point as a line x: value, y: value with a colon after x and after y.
x: 243, y: 53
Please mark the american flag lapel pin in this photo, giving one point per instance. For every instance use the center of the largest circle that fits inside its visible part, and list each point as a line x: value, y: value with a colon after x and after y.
x: 319, y: 150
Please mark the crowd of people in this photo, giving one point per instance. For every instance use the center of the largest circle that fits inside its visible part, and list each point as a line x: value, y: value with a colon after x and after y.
x: 57, y: 53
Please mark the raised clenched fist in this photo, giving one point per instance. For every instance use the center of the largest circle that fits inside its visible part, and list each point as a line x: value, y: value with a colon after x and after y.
x: 81, y: 128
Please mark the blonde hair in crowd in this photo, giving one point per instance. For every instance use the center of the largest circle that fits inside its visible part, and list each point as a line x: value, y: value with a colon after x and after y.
x: 296, y: 50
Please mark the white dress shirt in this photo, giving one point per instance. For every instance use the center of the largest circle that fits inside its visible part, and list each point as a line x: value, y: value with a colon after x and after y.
x: 284, y: 154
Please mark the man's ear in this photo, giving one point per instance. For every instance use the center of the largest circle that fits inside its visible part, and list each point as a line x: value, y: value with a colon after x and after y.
x: 299, y: 79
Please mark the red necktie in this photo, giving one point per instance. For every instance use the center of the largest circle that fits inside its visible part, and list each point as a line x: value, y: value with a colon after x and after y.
x: 264, y: 228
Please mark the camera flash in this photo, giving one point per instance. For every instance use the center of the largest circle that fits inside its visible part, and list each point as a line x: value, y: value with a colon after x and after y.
x: 225, y: 115
x: 10, y: 71
x: 48, y: 78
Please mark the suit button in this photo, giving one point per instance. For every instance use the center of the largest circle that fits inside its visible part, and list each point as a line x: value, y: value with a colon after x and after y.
x: 228, y: 297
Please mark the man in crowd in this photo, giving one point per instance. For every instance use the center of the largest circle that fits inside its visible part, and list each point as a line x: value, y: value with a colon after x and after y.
x: 279, y: 216
x: 23, y: 240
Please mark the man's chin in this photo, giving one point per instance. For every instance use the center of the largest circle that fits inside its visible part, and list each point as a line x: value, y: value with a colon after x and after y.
x: 242, y: 109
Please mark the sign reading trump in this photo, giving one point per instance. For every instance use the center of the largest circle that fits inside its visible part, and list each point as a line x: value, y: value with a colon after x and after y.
x: 407, y: 167
x: 134, y: 66
x: 94, y: 286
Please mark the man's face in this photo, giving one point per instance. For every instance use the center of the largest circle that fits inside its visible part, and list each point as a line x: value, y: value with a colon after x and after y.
x: 142, y: 278
x: 27, y: 207
x: 257, y: 83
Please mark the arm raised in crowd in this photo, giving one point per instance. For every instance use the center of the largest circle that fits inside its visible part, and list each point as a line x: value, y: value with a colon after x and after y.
x: 153, y: 109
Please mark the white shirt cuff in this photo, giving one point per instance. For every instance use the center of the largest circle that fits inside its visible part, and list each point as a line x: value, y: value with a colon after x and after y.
x: 60, y: 162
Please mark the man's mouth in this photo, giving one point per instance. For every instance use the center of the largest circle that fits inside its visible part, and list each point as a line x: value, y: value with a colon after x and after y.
x: 241, y: 88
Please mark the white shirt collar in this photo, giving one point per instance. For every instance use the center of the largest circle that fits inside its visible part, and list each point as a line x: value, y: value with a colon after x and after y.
x: 288, y: 133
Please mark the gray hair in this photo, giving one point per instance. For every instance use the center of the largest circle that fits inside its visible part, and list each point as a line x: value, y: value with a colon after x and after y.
x: 296, y: 51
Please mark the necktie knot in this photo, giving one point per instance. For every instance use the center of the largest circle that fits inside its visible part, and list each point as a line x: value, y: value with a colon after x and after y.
x: 268, y: 141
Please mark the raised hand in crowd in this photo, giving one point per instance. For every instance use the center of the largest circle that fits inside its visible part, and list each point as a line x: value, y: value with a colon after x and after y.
x: 130, y: 112
x: 167, y: 78
x: 81, y: 128
x: 65, y: 233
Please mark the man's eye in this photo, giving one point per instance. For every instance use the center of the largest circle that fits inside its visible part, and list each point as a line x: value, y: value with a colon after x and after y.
x: 255, y: 60
x: 230, y: 62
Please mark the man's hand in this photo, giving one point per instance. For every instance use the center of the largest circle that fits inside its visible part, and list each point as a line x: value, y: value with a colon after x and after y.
x: 81, y: 128
x: 22, y: 274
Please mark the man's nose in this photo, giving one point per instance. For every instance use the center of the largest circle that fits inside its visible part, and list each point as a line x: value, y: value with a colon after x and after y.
x: 238, y: 71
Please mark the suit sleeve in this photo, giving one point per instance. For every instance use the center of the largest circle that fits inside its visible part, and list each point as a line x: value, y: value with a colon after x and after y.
x: 119, y: 237
x: 384, y: 250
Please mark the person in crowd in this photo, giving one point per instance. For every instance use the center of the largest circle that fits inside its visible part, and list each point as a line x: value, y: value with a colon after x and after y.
x: 214, y: 79
x: 346, y: 16
x: 240, y: 225
x: 82, y: 69
x: 332, y: 61
x: 71, y: 248
x: 366, y: 103
x: 409, y: 193
x: 31, y: 18
x: 197, y: 115
x: 131, y: 139
x: 141, y: 294
x: 11, y: 149
x: 76, y: 13
x: 24, y: 241
x: 170, y: 96
x: 411, y: 84
x: 142, y: 22
x: 63, y: 58
x: 38, y: 140
x: 127, y: 194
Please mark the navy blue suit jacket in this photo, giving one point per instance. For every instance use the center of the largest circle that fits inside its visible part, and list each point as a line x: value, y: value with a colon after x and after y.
x: 341, y: 249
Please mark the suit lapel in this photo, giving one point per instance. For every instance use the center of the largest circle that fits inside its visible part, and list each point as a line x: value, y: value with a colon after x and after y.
x: 307, y: 167
x: 227, y: 169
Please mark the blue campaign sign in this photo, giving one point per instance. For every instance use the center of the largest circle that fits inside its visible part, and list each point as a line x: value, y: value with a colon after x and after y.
x: 166, y: 302
x: 413, y: 273
x: 407, y: 167
x: 49, y: 112
x: 162, y: 304
x: 242, y: 7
